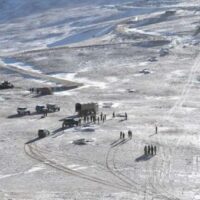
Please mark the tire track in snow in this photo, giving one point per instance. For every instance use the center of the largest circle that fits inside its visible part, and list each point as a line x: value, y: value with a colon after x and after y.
x: 37, y: 155
x: 177, y: 105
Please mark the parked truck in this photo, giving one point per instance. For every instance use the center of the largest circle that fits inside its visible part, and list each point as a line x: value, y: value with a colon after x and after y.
x: 86, y: 109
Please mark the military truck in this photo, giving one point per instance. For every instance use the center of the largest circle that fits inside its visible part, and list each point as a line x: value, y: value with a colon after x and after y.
x: 40, y: 109
x: 53, y: 108
x: 6, y: 85
x: 23, y: 111
x: 43, y: 133
x: 69, y: 122
x: 86, y: 109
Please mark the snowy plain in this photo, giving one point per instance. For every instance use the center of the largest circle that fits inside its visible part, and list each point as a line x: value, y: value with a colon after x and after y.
x: 110, y: 50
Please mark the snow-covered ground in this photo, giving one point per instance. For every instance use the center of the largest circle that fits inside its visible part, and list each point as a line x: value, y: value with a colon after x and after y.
x: 116, y: 53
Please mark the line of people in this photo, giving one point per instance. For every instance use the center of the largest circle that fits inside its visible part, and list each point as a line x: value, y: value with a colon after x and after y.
x: 150, y: 150
x: 122, y: 135
x: 93, y: 118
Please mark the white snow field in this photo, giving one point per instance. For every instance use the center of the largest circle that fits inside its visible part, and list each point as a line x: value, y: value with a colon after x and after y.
x: 140, y: 57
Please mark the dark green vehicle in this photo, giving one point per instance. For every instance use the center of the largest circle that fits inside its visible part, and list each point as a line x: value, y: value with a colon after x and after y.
x: 40, y: 109
x: 53, y: 107
x: 6, y: 85
x: 70, y: 122
x: 43, y: 133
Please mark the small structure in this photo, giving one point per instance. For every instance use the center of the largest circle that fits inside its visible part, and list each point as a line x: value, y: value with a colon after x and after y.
x: 86, y: 109
x: 153, y: 59
x: 144, y: 71
x: 81, y: 141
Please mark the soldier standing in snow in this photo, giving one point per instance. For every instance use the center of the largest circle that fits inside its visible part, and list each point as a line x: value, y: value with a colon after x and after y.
x: 149, y: 150
x: 84, y: 119
x: 126, y: 116
x: 156, y: 129
x: 95, y: 119
x: 113, y: 114
x: 79, y: 122
x: 129, y: 134
x: 152, y: 150
x: 101, y: 116
x: 155, y: 149
x: 145, y: 150
x: 121, y: 135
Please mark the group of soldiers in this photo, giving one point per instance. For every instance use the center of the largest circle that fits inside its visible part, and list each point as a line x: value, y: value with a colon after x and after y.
x: 122, y: 135
x: 34, y: 90
x: 150, y: 150
x: 93, y: 118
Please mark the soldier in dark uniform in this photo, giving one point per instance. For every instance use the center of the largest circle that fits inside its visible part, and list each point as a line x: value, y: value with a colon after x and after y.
x: 152, y: 150
x: 79, y: 122
x: 145, y: 150
x: 101, y: 116
x: 113, y: 114
x: 155, y: 149
x: 130, y: 134
x: 156, y: 129
x: 126, y: 116
x: 84, y: 118
x: 45, y: 111
x: 98, y: 119
x: 121, y: 135
x: 149, y: 150
x: 94, y: 119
